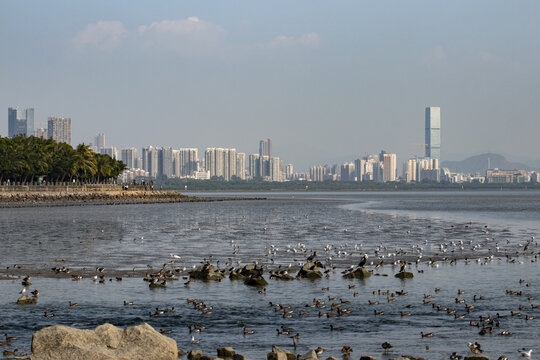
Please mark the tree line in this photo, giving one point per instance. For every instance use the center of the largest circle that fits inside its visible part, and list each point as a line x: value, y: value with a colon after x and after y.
x: 28, y: 159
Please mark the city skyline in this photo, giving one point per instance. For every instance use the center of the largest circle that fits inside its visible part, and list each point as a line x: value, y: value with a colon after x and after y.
x: 327, y: 83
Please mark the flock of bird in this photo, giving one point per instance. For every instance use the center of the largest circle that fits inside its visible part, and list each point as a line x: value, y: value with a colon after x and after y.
x: 338, y: 257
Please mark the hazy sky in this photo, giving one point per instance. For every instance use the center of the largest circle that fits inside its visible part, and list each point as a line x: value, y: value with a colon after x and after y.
x: 328, y: 81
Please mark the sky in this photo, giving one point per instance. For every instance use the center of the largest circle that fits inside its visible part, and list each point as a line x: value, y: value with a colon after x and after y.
x: 328, y: 81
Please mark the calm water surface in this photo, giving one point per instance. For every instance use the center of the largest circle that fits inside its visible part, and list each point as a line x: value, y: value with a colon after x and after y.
x: 387, y: 226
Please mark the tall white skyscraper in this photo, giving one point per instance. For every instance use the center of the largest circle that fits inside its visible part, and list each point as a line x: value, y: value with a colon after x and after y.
x: 59, y: 129
x: 150, y: 160
x: 221, y: 162
x: 389, y: 167
x: 112, y: 151
x: 433, y: 132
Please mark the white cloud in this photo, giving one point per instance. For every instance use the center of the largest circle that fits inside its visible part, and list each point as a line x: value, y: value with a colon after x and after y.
x: 311, y: 40
x: 191, y: 36
x: 104, y: 35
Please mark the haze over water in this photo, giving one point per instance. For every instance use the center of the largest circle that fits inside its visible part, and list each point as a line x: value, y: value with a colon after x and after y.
x: 276, y: 232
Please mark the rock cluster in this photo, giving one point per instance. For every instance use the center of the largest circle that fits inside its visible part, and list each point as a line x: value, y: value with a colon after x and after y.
x: 359, y: 273
x: 206, y: 272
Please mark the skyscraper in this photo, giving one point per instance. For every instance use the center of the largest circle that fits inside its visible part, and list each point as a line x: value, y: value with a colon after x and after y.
x: 265, y: 148
x: 129, y: 157
x: 389, y: 167
x: 433, y: 132
x: 59, y: 129
x: 20, y: 122
x: 99, y: 141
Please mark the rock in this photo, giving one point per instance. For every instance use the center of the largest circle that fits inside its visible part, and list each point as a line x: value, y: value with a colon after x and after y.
x: 332, y: 358
x: 194, y: 355
x: 367, y: 357
x: 476, y: 357
x: 360, y: 273
x: 309, y: 271
x: 104, y: 342
x: 206, y: 272
x: 239, y: 357
x: 225, y: 352
x: 310, y: 355
x: 256, y: 281
x: 26, y: 300
x: 404, y: 275
x: 181, y: 352
x: 288, y: 355
x: 276, y: 356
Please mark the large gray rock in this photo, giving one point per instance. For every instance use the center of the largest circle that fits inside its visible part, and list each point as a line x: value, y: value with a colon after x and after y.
x: 195, y: 354
x: 279, y: 354
x: 310, y: 355
x: 226, y: 351
x: 106, y: 342
x: 360, y: 273
x: 206, y: 272
x: 26, y: 300
x: 309, y: 271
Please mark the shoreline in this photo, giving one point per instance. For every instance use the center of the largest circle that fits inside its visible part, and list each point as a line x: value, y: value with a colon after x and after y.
x: 106, y: 195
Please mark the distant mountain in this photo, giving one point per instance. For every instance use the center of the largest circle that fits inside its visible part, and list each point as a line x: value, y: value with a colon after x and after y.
x: 479, y: 164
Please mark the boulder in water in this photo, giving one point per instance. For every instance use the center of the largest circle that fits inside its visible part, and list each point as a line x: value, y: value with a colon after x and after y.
x: 26, y: 300
x: 360, y: 273
x: 404, y: 275
x: 309, y: 271
x: 104, y: 342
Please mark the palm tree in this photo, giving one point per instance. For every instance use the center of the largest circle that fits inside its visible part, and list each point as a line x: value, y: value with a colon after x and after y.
x: 84, y: 163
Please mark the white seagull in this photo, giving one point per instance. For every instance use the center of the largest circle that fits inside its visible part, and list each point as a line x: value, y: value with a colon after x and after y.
x: 526, y: 353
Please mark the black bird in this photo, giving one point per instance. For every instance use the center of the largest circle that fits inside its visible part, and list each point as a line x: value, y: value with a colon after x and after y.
x: 363, y: 261
x: 386, y: 346
x: 403, y: 266
x: 312, y: 256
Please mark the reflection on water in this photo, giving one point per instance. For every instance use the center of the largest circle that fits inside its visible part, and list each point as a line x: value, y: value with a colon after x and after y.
x: 393, y: 226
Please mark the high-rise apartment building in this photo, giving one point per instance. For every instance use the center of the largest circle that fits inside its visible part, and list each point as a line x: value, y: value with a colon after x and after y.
x: 389, y: 167
x: 59, y: 129
x: 241, y: 166
x: 189, y: 159
x: 360, y: 169
x: 409, y: 170
x: 20, y: 122
x: 433, y: 132
x: 112, y: 151
x: 129, y: 157
x: 165, y: 162
x: 221, y: 162
x: 265, y: 148
x: 275, y: 171
x: 253, y: 166
x: 99, y: 142
x: 347, y: 172
x: 150, y: 160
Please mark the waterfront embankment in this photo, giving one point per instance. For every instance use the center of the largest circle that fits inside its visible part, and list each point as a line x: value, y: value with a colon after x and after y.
x: 73, y: 194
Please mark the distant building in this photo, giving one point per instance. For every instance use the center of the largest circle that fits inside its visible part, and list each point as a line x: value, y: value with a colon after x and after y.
x: 317, y: 173
x: 347, y: 172
x: 41, y: 133
x: 389, y: 167
x: 360, y: 169
x: 110, y: 150
x: 150, y: 161
x: 20, y: 122
x: 289, y: 172
x: 241, y: 166
x: 275, y: 171
x: 497, y: 176
x: 221, y: 162
x: 59, y: 129
x: 409, y: 171
x: 189, y: 158
x: 129, y: 157
x: 433, y: 132
x: 254, y: 166
x: 99, y: 142
x: 265, y: 148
